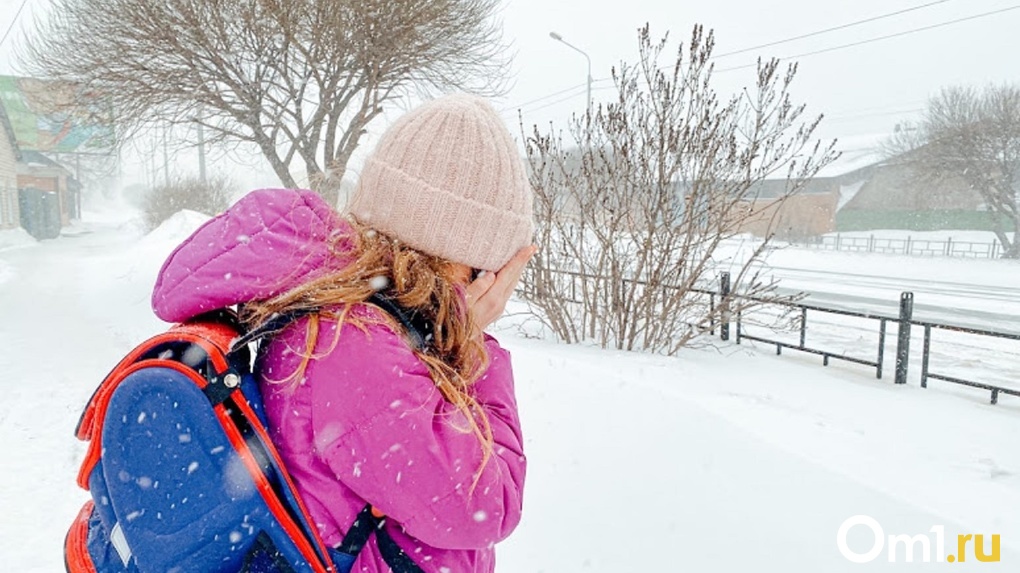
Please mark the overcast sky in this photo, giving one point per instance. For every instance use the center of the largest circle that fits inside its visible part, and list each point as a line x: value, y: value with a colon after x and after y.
x: 863, y: 90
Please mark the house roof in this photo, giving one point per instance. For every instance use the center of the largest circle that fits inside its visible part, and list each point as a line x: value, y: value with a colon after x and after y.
x: 35, y: 159
x: 860, y: 155
x: 857, y: 152
x: 8, y: 131
x: 773, y: 188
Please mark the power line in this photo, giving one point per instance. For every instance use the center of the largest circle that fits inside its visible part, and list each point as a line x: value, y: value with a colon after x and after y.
x: 13, y: 22
x: 552, y: 103
x: 832, y: 29
x: 886, y: 37
x: 744, y: 50
x: 914, y: 103
x: 543, y: 98
x: 839, y: 119
x: 815, y: 52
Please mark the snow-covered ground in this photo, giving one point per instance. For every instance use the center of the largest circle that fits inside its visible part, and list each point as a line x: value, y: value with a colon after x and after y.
x: 723, y: 459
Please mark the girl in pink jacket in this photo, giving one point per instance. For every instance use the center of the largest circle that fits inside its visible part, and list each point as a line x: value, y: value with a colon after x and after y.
x: 428, y: 436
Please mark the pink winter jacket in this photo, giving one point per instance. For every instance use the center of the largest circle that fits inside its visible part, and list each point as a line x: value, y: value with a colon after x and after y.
x: 366, y: 423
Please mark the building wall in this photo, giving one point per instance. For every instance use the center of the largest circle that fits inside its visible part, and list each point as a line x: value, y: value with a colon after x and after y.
x: 8, y: 185
x: 932, y: 220
x: 896, y: 197
x: 797, y: 217
x: 65, y: 201
x: 51, y: 184
x: 898, y: 188
x: 51, y: 179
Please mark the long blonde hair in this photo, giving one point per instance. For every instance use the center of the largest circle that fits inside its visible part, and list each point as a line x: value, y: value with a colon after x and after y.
x: 455, y: 356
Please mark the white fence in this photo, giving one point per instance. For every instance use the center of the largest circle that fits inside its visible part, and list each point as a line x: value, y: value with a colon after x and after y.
x: 908, y: 246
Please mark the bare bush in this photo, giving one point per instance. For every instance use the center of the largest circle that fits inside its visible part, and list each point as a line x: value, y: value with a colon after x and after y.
x: 300, y: 79
x: 645, y: 203
x: 209, y: 198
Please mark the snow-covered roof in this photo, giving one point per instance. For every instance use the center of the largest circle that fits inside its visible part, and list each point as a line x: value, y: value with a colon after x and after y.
x: 857, y: 152
x: 33, y: 158
x: 7, y: 130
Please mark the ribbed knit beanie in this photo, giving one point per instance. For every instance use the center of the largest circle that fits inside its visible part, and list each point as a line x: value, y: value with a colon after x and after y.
x: 447, y: 180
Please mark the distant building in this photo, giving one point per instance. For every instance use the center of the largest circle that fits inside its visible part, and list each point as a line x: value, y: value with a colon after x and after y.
x: 43, y: 120
x: 865, y: 190
x: 38, y: 172
x: 862, y: 190
x: 809, y: 212
x: 896, y: 197
x: 36, y: 192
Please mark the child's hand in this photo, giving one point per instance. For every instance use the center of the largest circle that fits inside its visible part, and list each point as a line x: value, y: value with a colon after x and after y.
x: 488, y: 294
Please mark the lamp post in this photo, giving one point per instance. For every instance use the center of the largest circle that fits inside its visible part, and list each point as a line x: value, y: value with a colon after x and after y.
x: 559, y: 38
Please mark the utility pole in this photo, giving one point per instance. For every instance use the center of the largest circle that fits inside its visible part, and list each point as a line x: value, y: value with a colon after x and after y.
x: 201, y: 148
x: 166, y: 161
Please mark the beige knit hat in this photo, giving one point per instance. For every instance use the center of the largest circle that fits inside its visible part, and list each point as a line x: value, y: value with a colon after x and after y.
x: 447, y: 180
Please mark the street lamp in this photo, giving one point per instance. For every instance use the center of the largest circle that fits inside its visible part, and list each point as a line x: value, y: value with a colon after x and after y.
x: 559, y: 38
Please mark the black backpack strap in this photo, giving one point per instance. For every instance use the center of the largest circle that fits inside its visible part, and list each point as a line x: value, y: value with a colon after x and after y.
x: 419, y: 330
x: 263, y: 556
x: 357, y: 537
x: 393, y: 555
x: 272, y: 326
x: 222, y: 385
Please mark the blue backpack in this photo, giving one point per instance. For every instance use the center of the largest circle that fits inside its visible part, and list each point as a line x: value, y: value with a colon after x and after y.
x: 183, y: 475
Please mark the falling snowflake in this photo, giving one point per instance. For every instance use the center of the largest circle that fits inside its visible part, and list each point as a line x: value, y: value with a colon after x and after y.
x: 237, y: 480
x: 194, y: 356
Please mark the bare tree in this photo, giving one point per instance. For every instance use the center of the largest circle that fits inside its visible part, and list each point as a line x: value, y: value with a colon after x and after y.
x: 974, y: 137
x: 297, y: 78
x: 647, y: 200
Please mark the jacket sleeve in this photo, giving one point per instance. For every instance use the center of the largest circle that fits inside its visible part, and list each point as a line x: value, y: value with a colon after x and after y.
x: 388, y: 434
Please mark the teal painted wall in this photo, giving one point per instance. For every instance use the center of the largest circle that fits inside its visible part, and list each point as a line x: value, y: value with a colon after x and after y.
x: 854, y: 220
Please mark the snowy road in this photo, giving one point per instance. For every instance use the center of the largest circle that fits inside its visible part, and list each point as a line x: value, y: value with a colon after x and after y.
x: 979, y: 294
x: 983, y: 306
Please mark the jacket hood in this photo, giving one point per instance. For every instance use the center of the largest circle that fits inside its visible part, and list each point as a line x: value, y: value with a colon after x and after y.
x: 269, y: 242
